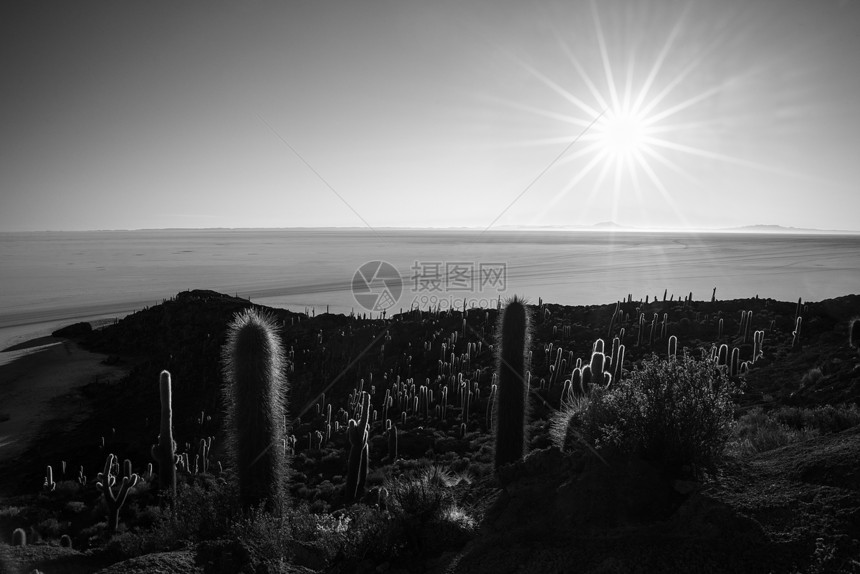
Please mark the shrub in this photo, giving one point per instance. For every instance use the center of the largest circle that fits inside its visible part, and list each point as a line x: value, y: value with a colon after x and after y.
x: 757, y: 431
x: 419, y: 497
x: 677, y: 413
x: 826, y: 418
x: 811, y: 377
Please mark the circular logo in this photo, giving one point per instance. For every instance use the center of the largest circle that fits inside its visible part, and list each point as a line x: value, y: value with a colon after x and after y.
x: 377, y: 285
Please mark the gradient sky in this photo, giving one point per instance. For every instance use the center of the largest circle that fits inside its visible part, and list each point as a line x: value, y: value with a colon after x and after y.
x: 121, y: 115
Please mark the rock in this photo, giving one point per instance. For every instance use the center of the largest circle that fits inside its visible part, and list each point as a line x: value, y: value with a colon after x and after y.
x: 75, y: 331
x: 224, y: 557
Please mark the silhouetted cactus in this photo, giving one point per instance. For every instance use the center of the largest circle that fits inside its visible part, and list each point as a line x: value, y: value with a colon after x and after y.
x: 618, y: 363
x: 164, y: 452
x: 359, y: 452
x: 795, y: 335
x: 854, y: 333
x: 391, y: 436
x: 673, y: 347
x: 105, y: 482
x: 255, y: 399
x: 65, y: 541
x: 734, y: 363
x: 49, y: 484
x: 758, y: 341
x: 19, y: 537
x: 510, y: 419
x: 723, y: 355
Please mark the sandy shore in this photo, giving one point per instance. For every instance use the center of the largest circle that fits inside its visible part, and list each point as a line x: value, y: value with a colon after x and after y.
x: 36, y: 385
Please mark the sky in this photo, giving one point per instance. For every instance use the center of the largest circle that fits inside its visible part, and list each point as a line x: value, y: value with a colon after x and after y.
x: 653, y: 114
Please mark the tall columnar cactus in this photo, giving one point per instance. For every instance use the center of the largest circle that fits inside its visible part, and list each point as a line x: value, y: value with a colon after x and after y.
x: 510, y: 419
x: 359, y: 452
x: 673, y: 347
x: 105, y: 482
x: 164, y: 452
x: 255, y: 399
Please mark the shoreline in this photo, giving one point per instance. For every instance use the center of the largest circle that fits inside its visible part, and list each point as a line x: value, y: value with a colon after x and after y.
x: 40, y: 372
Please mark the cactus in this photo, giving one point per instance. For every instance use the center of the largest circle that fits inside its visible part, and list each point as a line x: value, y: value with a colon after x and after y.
x: 795, y: 335
x: 735, y: 363
x: 164, y: 452
x: 105, y: 482
x: 49, y: 484
x: 617, y: 363
x: 510, y: 419
x: 65, y: 541
x: 854, y: 334
x: 19, y: 537
x: 673, y: 347
x: 723, y: 355
x: 758, y: 341
x: 391, y: 436
x: 359, y: 452
x: 255, y: 399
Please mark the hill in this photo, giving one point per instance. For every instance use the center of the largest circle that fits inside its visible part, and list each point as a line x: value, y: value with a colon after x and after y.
x: 757, y: 511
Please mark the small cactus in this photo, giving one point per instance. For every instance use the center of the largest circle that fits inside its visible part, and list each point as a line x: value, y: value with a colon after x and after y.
x: 795, y: 335
x: 49, y: 484
x: 19, y: 537
x: 734, y: 363
x: 65, y: 541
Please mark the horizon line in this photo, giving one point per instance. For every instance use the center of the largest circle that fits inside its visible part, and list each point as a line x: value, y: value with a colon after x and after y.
x: 604, y: 227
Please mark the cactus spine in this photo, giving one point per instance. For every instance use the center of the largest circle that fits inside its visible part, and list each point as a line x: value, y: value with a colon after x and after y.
x: 255, y: 398
x: 359, y: 452
x: 164, y: 452
x: 510, y: 416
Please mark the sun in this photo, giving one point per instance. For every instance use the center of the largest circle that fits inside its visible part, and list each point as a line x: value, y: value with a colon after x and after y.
x: 622, y: 134
x: 633, y: 119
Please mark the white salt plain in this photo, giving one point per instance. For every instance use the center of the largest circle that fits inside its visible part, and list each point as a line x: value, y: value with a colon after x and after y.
x: 54, y: 278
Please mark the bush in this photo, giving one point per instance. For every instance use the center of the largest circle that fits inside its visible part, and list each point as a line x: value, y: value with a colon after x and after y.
x: 678, y: 413
x: 826, y: 418
x: 757, y: 431
x: 811, y: 377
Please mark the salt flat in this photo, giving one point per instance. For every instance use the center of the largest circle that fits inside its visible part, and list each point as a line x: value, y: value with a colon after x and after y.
x: 58, y: 277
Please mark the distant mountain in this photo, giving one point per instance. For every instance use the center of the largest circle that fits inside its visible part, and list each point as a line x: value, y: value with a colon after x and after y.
x: 763, y: 228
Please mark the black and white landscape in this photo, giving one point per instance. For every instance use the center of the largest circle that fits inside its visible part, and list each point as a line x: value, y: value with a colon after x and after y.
x: 430, y: 287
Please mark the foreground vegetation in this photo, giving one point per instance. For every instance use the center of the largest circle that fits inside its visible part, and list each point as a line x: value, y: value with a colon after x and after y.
x: 397, y: 429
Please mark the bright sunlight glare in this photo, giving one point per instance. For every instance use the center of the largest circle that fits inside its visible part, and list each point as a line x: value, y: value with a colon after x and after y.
x: 621, y: 134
